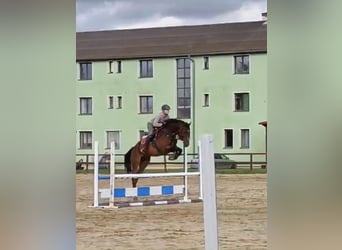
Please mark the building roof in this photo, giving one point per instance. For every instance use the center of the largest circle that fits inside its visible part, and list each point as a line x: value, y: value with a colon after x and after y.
x: 225, y: 38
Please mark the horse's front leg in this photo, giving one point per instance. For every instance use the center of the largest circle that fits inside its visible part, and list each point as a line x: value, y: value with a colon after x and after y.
x: 176, y: 154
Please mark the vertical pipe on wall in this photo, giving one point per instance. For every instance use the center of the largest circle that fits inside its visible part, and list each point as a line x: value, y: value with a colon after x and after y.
x: 193, y: 111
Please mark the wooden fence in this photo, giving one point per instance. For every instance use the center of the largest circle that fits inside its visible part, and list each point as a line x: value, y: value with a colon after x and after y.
x: 86, y: 160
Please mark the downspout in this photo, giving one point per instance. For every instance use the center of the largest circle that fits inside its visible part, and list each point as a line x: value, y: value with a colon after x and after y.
x: 193, y: 113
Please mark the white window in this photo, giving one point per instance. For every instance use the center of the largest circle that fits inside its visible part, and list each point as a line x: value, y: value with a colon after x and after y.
x: 119, y: 67
x: 86, y: 105
x: 146, y: 104
x: 241, y: 64
x: 228, y: 138
x: 113, y: 136
x: 110, y: 102
x: 86, y: 71
x: 119, y: 102
x: 110, y: 67
x: 146, y: 68
x: 206, y: 62
x: 142, y: 133
x: 241, y: 102
x: 245, y: 138
x: 206, y: 100
x: 86, y: 139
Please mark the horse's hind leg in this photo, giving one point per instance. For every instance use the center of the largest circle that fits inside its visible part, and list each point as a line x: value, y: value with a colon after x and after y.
x: 135, y: 163
x: 143, y: 163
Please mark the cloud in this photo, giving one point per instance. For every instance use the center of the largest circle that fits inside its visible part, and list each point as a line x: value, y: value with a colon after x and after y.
x: 249, y: 11
x: 127, y: 14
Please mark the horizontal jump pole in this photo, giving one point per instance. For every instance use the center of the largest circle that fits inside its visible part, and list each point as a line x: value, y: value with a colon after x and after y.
x: 124, y: 204
x: 152, y: 175
x: 142, y: 191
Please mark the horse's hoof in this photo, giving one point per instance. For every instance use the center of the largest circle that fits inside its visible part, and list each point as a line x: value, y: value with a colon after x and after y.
x: 173, y: 157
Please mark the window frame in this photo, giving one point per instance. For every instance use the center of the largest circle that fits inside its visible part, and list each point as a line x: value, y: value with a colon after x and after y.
x: 110, y: 102
x: 80, y: 144
x: 116, y: 143
x: 119, y: 67
x: 141, y: 133
x: 242, y: 146
x: 110, y: 67
x: 87, y: 76
x: 184, y: 85
x: 119, y: 102
x: 234, y: 101
x: 148, y: 67
x: 140, y: 104
x: 206, y: 62
x: 80, y: 105
x: 225, y: 138
x: 236, y: 72
x: 206, y: 100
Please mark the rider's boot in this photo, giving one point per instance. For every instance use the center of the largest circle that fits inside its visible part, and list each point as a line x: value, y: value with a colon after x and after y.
x: 144, y: 143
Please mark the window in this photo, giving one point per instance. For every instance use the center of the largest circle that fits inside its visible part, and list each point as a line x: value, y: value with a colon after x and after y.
x: 183, y: 88
x: 206, y: 100
x: 146, y: 68
x: 146, y: 104
x: 119, y: 102
x: 241, y: 102
x: 228, y: 138
x: 85, y: 71
x: 86, y: 140
x: 142, y: 133
x: 113, y: 136
x: 110, y: 64
x: 244, y: 138
x: 206, y: 62
x: 85, y: 105
x: 241, y: 64
x: 119, y: 67
x: 110, y: 102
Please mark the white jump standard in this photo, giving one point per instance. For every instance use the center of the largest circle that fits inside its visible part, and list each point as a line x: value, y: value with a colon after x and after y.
x: 113, y: 193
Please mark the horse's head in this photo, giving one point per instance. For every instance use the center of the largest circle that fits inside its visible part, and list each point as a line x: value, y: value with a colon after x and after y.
x: 184, y: 133
x: 180, y: 128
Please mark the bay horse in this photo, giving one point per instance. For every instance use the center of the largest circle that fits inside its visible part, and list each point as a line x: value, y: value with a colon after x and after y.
x: 163, y: 143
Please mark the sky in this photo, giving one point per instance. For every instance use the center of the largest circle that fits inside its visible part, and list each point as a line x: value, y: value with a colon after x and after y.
x: 92, y: 15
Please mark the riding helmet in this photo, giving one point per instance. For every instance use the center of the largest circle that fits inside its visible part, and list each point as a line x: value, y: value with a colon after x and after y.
x: 165, y: 107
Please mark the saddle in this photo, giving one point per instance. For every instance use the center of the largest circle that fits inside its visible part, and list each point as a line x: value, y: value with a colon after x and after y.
x: 145, y: 140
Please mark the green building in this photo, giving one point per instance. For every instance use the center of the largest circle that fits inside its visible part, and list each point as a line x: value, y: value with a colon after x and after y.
x: 213, y: 76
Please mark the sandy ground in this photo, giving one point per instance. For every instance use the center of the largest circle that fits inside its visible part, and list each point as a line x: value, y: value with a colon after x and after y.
x: 242, y: 218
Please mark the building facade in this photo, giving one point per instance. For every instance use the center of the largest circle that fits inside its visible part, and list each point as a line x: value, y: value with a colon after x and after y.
x: 213, y: 76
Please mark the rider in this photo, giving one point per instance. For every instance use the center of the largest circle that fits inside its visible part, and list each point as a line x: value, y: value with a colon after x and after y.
x: 154, y: 124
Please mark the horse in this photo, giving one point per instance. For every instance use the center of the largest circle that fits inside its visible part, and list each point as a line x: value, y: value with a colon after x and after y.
x: 163, y: 143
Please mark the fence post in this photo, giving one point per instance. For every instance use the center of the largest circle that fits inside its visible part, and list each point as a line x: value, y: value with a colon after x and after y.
x: 112, y: 174
x: 165, y: 169
x: 96, y: 174
x: 87, y: 163
x: 251, y: 162
x: 185, y: 170
x: 206, y: 160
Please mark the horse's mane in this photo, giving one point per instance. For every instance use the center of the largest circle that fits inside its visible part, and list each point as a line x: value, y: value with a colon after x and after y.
x: 173, y: 121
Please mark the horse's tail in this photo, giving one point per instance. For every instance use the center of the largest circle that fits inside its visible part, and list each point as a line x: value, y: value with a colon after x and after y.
x: 128, y: 165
